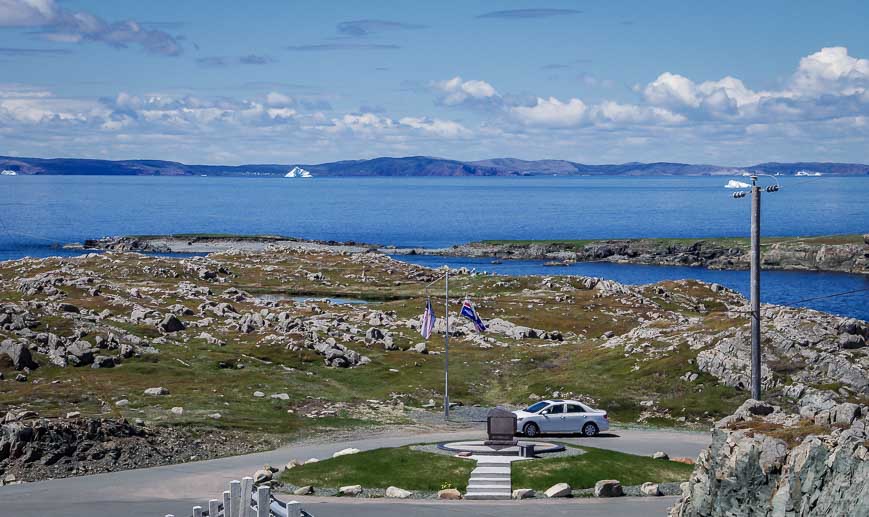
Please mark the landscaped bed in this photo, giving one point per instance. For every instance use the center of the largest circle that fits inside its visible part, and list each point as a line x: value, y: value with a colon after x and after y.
x: 584, y: 470
x: 422, y: 471
x: 381, y: 468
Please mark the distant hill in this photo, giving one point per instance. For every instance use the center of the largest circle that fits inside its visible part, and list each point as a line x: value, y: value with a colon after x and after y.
x: 412, y: 166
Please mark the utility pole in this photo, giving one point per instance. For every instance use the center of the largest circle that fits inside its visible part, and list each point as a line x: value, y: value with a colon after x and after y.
x: 755, y: 289
x: 447, y: 345
x: 755, y: 281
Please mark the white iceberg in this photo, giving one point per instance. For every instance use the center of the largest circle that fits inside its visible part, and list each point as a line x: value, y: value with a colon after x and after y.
x: 8, y: 173
x: 807, y: 173
x: 736, y: 184
x: 298, y: 172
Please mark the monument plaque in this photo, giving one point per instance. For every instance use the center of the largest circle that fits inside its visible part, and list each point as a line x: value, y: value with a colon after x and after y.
x: 500, y: 428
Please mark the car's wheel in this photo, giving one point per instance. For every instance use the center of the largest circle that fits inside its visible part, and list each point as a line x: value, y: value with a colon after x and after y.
x: 589, y: 429
x: 531, y: 430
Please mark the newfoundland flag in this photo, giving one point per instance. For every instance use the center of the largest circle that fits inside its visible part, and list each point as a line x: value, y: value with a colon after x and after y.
x: 469, y: 312
x: 428, y: 320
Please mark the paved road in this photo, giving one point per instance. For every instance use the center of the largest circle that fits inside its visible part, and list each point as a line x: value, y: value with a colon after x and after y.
x: 157, y: 491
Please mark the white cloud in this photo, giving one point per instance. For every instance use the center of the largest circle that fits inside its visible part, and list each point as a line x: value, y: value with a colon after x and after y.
x: 364, y: 123
x: 438, y: 127
x: 278, y: 99
x: 65, y: 26
x: 26, y: 13
x: 830, y: 71
x: 551, y: 112
x: 826, y: 84
x: 457, y: 91
x: 672, y: 90
x: 609, y: 111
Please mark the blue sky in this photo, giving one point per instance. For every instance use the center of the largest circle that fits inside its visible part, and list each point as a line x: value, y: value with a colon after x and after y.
x: 304, y: 82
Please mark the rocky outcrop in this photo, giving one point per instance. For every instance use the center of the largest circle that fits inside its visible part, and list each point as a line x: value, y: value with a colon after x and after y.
x: 763, y: 461
x: 33, y: 448
x: 845, y: 254
x: 800, y: 347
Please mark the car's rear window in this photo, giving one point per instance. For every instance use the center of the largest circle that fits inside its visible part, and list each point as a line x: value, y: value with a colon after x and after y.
x: 573, y: 408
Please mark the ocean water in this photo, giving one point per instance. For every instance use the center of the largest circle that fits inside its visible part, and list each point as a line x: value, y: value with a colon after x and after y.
x: 40, y: 213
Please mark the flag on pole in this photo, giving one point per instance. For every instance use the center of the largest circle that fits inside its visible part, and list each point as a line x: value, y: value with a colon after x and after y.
x: 428, y: 320
x: 469, y: 312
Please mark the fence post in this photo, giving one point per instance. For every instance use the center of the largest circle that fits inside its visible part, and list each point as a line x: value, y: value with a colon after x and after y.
x: 246, y: 491
x: 213, y: 507
x: 262, y: 501
x: 294, y: 509
x: 197, y: 511
x: 235, y: 499
x: 227, y: 504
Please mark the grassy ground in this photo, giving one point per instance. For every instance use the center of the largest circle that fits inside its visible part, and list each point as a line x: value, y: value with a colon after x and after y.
x: 189, y: 367
x: 585, y: 470
x: 381, y: 468
x: 416, y: 470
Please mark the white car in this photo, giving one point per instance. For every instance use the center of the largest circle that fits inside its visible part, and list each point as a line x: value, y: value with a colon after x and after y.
x: 560, y: 416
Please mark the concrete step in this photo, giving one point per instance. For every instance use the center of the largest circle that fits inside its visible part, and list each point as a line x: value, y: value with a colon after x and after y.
x: 488, y: 496
x: 491, y: 472
x: 489, y: 488
x: 490, y: 480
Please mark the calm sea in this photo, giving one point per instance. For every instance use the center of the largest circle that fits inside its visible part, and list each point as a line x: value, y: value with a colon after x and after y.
x: 37, y: 213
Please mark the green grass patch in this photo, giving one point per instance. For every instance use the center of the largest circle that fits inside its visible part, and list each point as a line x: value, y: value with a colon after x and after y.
x: 381, y: 468
x: 584, y: 470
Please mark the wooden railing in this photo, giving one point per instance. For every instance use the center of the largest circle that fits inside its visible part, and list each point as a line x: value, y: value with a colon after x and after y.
x: 242, y: 501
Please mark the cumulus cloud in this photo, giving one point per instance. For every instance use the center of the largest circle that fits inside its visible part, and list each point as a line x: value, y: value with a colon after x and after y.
x: 552, y: 112
x: 828, y: 83
x: 830, y: 71
x: 609, y: 111
x: 55, y: 23
x: 438, y: 127
x: 363, y: 123
x: 457, y: 91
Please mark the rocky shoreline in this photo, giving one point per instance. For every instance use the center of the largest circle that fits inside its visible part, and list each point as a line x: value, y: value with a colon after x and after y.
x: 848, y: 254
x: 842, y: 254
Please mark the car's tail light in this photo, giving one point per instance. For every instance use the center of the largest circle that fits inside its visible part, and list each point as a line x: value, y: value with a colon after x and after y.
x: 606, y: 417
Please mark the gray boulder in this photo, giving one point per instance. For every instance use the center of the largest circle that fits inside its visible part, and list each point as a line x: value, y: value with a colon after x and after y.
x: 650, y: 489
x: 608, y: 488
x: 350, y: 490
x: 522, y: 493
x: 558, y: 490
x: 18, y: 354
x: 171, y: 323
x: 394, y: 492
x: 80, y: 353
x: 851, y: 341
x: 103, y: 361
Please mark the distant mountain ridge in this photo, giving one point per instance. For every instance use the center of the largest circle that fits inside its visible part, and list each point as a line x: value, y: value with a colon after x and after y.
x: 412, y: 166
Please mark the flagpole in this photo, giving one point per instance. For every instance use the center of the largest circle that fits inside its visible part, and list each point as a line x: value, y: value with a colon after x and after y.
x: 447, y: 345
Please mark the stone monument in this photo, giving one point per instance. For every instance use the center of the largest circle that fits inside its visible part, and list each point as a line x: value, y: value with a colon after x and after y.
x: 500, y: 428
